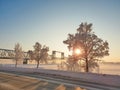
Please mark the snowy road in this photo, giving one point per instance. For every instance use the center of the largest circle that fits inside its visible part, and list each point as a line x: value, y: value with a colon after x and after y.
x: 66, y: 81
x: 18, y: 82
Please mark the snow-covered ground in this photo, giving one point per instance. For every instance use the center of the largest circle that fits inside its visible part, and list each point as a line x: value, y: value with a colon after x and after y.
x: 44, y: 66
x: 113, y: 80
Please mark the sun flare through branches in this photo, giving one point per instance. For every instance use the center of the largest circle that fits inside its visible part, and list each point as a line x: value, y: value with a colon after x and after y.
x: 77, y: 51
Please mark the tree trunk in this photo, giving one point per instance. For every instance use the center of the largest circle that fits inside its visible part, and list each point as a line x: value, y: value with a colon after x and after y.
x: 87, y: 68
x: 38, y: 63
x: 16, y: 63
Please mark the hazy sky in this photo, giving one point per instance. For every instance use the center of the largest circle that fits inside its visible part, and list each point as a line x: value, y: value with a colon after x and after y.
x: 49, y: 22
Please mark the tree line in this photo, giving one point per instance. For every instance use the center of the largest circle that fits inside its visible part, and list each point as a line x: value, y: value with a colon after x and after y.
x: 39, y: 54
x: 91, y: 47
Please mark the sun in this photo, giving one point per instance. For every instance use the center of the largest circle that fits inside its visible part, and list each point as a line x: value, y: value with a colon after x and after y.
x: 77, y: 51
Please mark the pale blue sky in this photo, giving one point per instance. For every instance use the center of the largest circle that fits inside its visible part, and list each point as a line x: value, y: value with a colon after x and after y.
x: 49, y: 22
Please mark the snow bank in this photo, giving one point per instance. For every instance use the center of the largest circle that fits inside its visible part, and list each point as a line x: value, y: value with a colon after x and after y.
x: 112, y: 80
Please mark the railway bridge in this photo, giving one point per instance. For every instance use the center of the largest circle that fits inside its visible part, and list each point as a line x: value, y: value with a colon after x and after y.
x: 10, y: 54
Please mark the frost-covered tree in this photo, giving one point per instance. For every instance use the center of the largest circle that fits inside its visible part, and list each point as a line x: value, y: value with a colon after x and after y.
x: 18, y: 53
x: 44, y: 54
x: 91, y: 46
x: 31, y: 54
x: 39, y: 54
x: 37, y: 50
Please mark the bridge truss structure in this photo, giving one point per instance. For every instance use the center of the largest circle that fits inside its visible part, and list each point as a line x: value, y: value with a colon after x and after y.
x: 54, y: 54
x: 10, y: 54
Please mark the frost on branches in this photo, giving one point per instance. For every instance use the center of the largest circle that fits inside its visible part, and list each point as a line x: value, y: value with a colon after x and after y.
x: 39, y: 54
x: 18, y: 53
x: 90, y: 45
